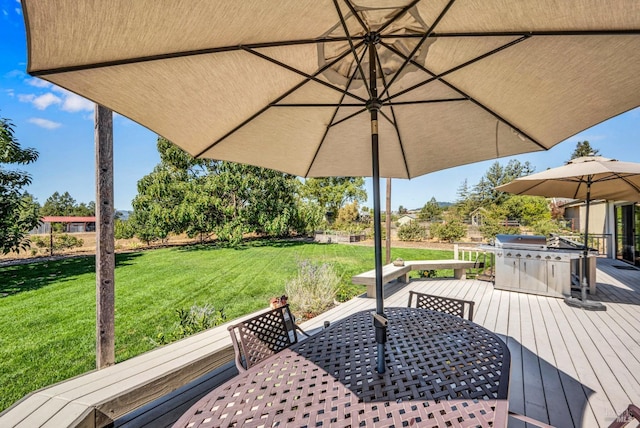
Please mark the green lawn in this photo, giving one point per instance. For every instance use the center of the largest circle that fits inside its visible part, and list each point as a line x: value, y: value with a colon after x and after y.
x: 47, y: 309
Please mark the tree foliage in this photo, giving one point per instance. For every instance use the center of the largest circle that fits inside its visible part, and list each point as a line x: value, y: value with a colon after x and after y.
x: 332, y: 193
x: 412, y: 231
x: 65, y: 205
x: 485, y: 194
x: 18, y: 210
x: 201, y: 197
x: 431, y: 211
x: 449, y: 231
x: 583, y: 148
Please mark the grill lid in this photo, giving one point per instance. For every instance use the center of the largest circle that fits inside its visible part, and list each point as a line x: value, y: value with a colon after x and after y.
x: 521, y: 241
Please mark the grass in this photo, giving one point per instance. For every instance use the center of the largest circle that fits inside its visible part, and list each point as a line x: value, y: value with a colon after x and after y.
x: 47, y: 309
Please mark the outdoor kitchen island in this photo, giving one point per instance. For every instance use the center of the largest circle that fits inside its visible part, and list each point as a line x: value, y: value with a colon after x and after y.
x: 527, y: 264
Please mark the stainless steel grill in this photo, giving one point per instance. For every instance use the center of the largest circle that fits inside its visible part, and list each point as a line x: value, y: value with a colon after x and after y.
x: 530, y: 264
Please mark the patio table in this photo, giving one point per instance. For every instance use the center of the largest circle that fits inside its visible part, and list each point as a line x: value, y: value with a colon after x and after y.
x: 441, y: 370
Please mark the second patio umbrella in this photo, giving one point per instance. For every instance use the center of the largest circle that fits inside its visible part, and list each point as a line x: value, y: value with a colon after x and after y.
x: 391, y: 88
x: 586, y: 178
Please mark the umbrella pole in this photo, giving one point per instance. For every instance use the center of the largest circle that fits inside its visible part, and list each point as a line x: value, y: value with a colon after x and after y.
x: 379, y: 320
x: 583, y: 303
x: 585, y: 268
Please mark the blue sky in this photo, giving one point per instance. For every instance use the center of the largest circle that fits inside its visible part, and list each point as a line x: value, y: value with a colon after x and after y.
x: 59, y: 125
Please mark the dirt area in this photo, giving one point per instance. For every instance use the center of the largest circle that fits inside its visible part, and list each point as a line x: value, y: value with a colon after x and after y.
x: 126, y: 245
x: 88, y: 248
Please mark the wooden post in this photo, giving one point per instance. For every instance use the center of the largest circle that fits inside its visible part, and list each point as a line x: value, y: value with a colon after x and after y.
x: 105, y: 255
x: 388, y: 222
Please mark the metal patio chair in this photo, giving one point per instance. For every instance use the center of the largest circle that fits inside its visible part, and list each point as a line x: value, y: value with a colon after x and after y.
x: 442, y: 304
x: 632, y: 412
x: 262, y: 336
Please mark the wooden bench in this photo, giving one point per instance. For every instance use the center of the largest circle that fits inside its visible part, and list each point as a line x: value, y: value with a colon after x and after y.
x: 401, y: 273
x: 389, y: 273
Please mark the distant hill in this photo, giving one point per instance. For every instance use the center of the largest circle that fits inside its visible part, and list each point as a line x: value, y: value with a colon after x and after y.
x: 123, y: 214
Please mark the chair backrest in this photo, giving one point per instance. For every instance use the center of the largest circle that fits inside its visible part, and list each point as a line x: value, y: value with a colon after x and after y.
x: 442, y: 304
x: 260, y: 337
x: 632, y: 412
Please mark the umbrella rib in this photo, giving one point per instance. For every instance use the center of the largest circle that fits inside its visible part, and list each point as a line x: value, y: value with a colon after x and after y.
x: 619, y: 176
x: 307, y: 76
x: 442, y: 100
x: 394, y: 121
x: 181, y: 54
x: 535, y: 33
x: 443, y: 74
x: 355, y: 14
x: 409, y: 57
x: 265, y: 108
x: 326, y: 130
x: 460, y: 91
x: 352, y: 47
x: 398, y: 15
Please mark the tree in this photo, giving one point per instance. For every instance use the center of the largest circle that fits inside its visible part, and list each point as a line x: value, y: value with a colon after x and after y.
x: 583, y: 148
x: 59, y: 205
x: 485, y: 193
x: 402, y: 210
x: 431, y: 211
x: 18, y: 213
x: 200, y: 197
x: 527, y: 209
x: 348, y: 216
x: 333, y: 193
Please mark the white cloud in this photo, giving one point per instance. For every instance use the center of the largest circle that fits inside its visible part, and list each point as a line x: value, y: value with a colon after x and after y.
x: 45, y: 123
x: 38, y: 83
x: 26, y: 98
x: 68, y: 101
x: 74, y: 103
x: 45, y: 100
x: 14, y: 73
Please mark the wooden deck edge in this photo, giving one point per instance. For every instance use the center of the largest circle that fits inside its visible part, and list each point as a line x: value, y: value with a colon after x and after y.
x: 98, y: 397
x: 142, y: 394
x: 165, y: 410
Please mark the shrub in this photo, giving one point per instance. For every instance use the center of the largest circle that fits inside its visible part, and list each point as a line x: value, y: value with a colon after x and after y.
x: 123, y: 229
x: 191, y: 321
x: 412, y: 231
x: 450, y: 231
x: 60, y: 242
x: 314, y: 288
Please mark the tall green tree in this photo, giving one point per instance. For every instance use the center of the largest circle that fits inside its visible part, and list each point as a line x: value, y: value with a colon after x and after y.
x: 58, y: 205
x: 64, y: 205
x: 332, y: 193
x: 583, y: 148
x: 485, y: 193
x: 431, y: 211
x: 18, y: 214
x: 200, y: 197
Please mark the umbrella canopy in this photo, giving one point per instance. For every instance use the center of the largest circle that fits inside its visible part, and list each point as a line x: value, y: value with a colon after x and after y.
x: 393, y: 88
x: 602, y: 178
x: 587, y: 178
x: 284, y: 84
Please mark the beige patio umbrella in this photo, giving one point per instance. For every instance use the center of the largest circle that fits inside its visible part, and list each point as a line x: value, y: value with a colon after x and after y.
x: 586, y: 178
x: 391, y: 88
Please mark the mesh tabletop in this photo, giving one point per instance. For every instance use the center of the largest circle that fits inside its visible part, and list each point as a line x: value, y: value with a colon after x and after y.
x: 441, y: 370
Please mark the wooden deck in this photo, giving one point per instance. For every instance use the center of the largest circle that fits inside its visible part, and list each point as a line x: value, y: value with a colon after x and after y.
x: 570, y: 367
